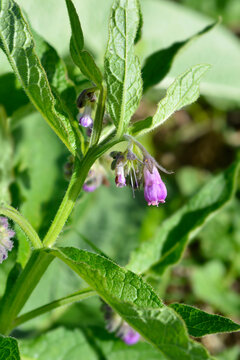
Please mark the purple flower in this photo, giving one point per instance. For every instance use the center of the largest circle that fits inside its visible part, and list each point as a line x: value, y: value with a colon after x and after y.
x: 128, y: 334
x: 155, y: 191
x: 120, y: 177
x: 85, y: 119
x: 89, y: 188
x: 5, y: 239
x: 116, y: 324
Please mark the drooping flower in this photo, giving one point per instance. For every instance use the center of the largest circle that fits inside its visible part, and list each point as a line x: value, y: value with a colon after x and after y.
x: 114, y: 323
x: 85, y: 119
x: 155, y: 191
x: 136, y: 167
x: 6, y: 234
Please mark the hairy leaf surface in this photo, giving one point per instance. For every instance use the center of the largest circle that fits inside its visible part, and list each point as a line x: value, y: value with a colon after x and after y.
x: 18, y: 45
x: 183, y: 91
x: 135, y: 301
x: 8, y: 348
x: 200, y: 323
x: 122, y: 68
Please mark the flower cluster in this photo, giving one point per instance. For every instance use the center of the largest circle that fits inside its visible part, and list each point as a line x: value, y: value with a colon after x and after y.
x: 136, y: 167
x: 6, y: 244
x: 114, y: 323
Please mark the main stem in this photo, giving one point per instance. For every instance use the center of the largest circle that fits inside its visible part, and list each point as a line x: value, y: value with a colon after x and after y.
x: 39, y: 260
x: 80, y: 173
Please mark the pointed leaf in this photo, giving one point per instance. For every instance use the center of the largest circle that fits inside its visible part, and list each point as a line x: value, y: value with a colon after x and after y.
x: 18, y: 45
x: 122, y: 69
x: 158, y: 64
x: 81, y: 58
x: 200, y: 323
x: 167, y: 246
x: 183, y: 91
x: 135, y: 301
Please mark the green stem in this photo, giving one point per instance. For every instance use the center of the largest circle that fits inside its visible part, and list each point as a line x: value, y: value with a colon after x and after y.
x: 13, y: 301
x: 97, y: 126
x: 14, y: 215
x: 77, y: 296
x: 80, y: 173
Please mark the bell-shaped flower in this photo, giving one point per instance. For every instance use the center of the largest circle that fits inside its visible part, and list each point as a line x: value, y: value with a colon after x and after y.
x: 155, y: 191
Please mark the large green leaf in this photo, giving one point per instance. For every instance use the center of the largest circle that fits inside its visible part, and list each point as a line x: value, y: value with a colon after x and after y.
x: 168, y: 244
x: 81, y: 57
x: 222, y: 83
x: 165, y: 23
x: 135, y: 301
x: 57, y: 75
x: 122, y: 68
x: 200, y: 323
x: 71, y: 343
x: 18, y: 45
x: 183, y: 91
x: 59, y: 344
x: 8, y: 348
x: 157, y: 65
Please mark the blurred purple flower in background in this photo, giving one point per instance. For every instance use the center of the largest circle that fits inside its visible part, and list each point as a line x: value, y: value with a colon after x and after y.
x: 6, y: 244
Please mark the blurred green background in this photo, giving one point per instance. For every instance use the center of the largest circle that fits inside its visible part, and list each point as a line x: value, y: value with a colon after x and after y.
x: 196, y: 143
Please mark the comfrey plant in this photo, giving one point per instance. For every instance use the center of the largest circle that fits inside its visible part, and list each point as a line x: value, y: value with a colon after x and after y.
x: 100, y: 119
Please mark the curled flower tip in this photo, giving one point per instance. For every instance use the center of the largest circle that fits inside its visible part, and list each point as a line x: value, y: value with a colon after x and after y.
x: 6, y: 244
x: 155, y: 191
x: 85, y: 119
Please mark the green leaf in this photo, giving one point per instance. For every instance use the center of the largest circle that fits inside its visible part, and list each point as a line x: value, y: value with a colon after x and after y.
x: 81, y: 58
x: 19, y: 47
x: 157, y: 65
x: 183, y: 91
x: 6, y: 163
x: 59, y: 344
x: 200, y: 323
x: 209, y: 283
x: 165, y: 23
x: 135, y: 301
x: 77, y: 34
x: 57, y: 75
x: 99, y: 345
x: 12, y: 96
x: 9, y: 348
x: 122, y: 68
x: 170, y: 240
